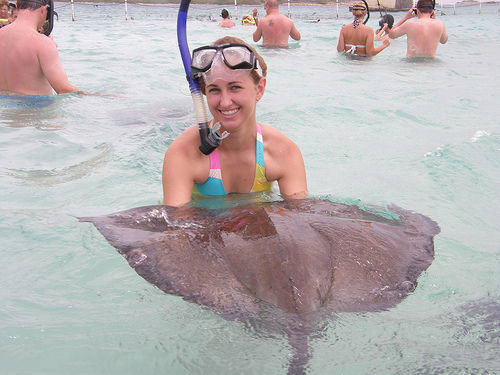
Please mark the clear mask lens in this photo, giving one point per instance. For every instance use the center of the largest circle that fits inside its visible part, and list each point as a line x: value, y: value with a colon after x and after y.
x: 219, y: 70
x: 237, y: 55
x: 203, y: 59
x: 236, y: 58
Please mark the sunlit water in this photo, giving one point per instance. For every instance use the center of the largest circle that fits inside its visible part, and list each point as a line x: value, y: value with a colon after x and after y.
x: 423, y: 135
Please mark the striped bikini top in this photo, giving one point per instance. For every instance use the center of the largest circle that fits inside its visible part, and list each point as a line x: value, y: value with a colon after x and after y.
x: 213, y: 185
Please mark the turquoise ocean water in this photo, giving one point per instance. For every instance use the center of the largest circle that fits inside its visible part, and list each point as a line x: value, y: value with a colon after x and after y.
x: 423, y: 135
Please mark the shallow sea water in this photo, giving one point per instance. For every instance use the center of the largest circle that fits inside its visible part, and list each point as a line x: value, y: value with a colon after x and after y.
x: 423, y: 135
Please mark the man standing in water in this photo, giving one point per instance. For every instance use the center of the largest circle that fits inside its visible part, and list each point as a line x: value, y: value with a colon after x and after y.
x: 275, y: 28
x: 226, y: 22
x: 29, y: 62
x: 424, y: 33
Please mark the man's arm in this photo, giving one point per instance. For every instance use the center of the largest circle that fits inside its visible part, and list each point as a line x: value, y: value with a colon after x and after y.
x: 444, y: 36
x: 400, y: 29
x: 294, y: 33
x: 52, y: 68
x: 257, y: 34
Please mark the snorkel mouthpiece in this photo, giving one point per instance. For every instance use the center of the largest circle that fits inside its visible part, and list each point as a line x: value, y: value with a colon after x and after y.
x: 49, y: 21
x: 210, y: 138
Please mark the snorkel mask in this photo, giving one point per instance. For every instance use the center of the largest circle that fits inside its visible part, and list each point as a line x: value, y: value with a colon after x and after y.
x: 229, y: 62
x: 48, y: 25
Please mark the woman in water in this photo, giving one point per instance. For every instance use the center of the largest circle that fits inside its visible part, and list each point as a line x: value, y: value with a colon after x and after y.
x: 357, y: 38
x: 232, y: 75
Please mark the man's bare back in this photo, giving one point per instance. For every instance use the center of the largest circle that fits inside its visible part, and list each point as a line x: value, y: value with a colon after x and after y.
x: 29, y: 62
x: 423, y: 34
x: 275, y: 28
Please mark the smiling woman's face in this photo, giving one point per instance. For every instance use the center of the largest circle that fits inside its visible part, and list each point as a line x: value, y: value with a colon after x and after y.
x: 232, y: 102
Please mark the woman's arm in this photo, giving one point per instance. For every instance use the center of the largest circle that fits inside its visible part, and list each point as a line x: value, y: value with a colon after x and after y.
x: 182, y: 166
x: 370, y: 48
x: 341, y: 44
x: 284, y: 163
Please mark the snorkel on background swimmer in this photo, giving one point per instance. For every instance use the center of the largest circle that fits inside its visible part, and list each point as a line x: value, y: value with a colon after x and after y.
x: 357, y: 38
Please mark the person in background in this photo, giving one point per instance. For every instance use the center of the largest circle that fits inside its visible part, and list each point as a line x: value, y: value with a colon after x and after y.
x: 13, y: 11
x: 250, y: 19
x: 357, y: 38
x: 385, y: 24
x: 424, y: 33
x: 5, y: 17
x: 232, y: 75
x: 29, y: 62
x: 226, y: 22
x: 275, y: 28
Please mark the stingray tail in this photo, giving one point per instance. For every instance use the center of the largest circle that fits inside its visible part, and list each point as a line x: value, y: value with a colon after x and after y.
x: 298, y: 335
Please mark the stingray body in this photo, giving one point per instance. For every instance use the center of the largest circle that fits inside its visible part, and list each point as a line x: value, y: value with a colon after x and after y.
x: 300, y: 256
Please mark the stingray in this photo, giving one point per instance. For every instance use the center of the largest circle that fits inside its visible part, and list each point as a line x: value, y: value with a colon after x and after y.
x: 300, y: 256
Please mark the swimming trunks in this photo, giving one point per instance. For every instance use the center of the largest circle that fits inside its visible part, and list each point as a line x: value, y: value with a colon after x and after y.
x: 213, y: 185
x: 353, y: 48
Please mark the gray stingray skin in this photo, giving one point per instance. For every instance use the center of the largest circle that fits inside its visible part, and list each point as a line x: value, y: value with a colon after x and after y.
x: 300, y: 255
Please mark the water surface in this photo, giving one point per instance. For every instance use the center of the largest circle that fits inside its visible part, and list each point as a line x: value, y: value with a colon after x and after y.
x: 422, y: 135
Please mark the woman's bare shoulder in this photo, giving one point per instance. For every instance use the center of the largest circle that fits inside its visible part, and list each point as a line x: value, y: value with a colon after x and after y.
x: 275, y: 141
x: 186, y: 144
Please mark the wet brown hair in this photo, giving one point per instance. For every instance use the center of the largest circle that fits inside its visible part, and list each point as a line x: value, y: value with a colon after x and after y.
x: 425, y: 6
x: 31, y: 4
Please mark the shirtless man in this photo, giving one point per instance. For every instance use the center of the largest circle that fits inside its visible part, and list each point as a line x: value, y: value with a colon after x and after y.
x: 275, y: 28
x: 29, y: 62
x: 357, y: 38
x: 226, y: 22
x: 424, y: 33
